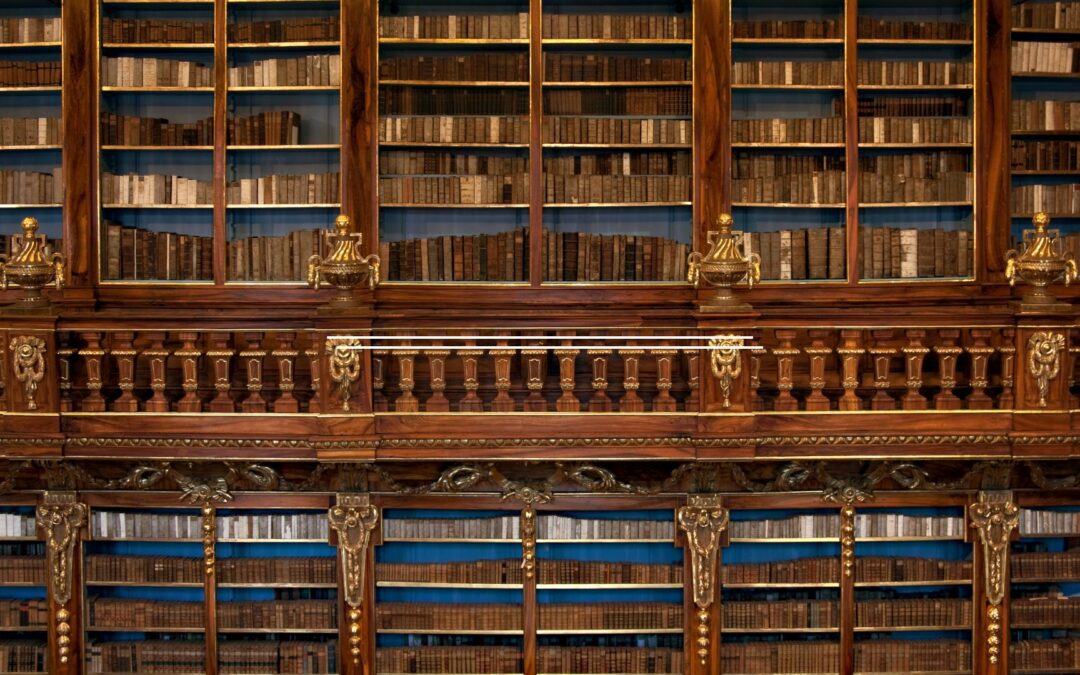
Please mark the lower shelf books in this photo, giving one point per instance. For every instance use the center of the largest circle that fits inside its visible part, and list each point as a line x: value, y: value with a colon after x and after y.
x: 904, y: 656
x: 150, y: 656
x: 925, y: 611
x: 285, y: 614
x: 22, y: 569
x: 775, y: 613
x: 1039, y: 565
x: 588, y: 572
x: 30, y: 131
x: 580, y: 256
x: 887, y: 569
x: 23, y: 614
x: 788, y: 130
x: 446, y: 617
x: 31, y: 187
x: 801, y: 571
x: 608, y: 660
x: 477, y: 257
x: 797, y: 656
x: 133, y: 253
x: 909, y: 253
x: 122, y: 568
x: 448, y: 660
x: 611, y: 616
x: 144, y: 614
x: 1057, y: 199
x: 809, y: 253
x: 23, y: 656
x: 275, y: 258
x: 276, y: 657
x: 1062, y: 653
x: 476, y: 572
x: 276, y: 570
x: 1047, y: 609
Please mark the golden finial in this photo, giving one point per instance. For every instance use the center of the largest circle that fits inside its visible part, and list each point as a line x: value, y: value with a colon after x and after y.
x: 724, y: 266
x: 345, y: 268
x: 30, y: 269
x: 1041, y: 262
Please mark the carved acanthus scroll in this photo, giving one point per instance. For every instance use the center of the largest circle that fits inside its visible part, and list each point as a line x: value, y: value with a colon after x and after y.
x: 995, y: 516
x: 60, y: 517
x: 703, y: 520
x: 354, y: 519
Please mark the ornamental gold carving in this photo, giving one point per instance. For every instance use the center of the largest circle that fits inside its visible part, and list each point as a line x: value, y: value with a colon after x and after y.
x: 1044, y: 360
x: 354, y: 518
x: 528, y: 542
x: 726, y: 364
x: 703, y: 520
x: 995, y: 516
x: 29, y: 365
x: 60, y: 517
x: 344, y: 367
x: 847, y: 539
x: 209, y: 537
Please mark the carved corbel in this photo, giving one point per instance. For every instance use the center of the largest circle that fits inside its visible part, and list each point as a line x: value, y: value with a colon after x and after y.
x: 354, y: 519
x: 61, y: 518
x: 28, y: 361
x: 995, y: 516
x: 344, y: 367
x: 726, y: 365
x: 703, y: 520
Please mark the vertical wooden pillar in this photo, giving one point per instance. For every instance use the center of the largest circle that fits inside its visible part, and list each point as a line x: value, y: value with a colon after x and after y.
x: 359, y: 116
x: 818, y: 353
x: 847, y: 589
x: 1007, y: 347
x: 536, y: 143
x: 252, y: 357
x: 61, y: 519
x: 850, y: 351
x: 703, y: 521
x: 157, y: 357
x: 712, y: 114
x: 436, y: 359
x: 993, y: 151
x: 209, y: 541
x: 80, y: 120
x: 529, y: 571
x: 353, y: 522
x: 979, y: 350
x: 851, y: 139
x: 221, y: 139
x: 994, y: 517
x: 948, y: 353
x: 286, y: 359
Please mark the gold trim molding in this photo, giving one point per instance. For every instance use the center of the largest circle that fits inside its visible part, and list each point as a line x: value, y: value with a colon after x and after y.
x: 1044, y: 360
x: 704, y: 520
x: 726, y: 365
x: 354, y: 518
x: 61, y: 518
x: 28, y: 365
x: 995, y: 516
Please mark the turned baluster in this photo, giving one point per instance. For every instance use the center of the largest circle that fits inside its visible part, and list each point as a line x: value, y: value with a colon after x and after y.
x: 3, y: 373
x: 314, y: 359
x: 693, y: 380
x: 407, y: 401
x: 948, y: 353
x: 535, y: 361
x: 158, y: 357
x: 914, y: 355
x: 785, y: 370
x: 470, y: 368
x: 630, y: 401
x: 123, y: 352
x: 754, y: 359
x: 189, y: 355
x: 567, y: 379
x: 378, y: 380
x: 502, y: 357
x: 850, y: 352
x: 819, y: 353
x: 882, y: 353
x: 436, y: 359
x: 286, y: 355
x: 219, y: 356
x: 600, y: 402
x: 93, y: 357
x: 664, y: 401
x: 1074, y: 349
x: 1007, y: 399
x: 980, y: 351
x: 252, y: 356
x: 63, y: 365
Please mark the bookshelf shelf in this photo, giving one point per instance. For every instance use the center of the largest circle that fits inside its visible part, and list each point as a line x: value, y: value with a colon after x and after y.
x: 1036, y: 33
x: 286, y: 45
x: 254, y: 540
x: 916, y: 87
x: 909, y: 629
x: 969, y: 146
x: 284, y: 206
x: 1046, y: 132
x: 611, y: 631
x: 1046, y: 580
x: 452, y: 206
x: 143, y: 629
x: 787, y: 41
x: 1048, y: 76
x: 20, y: 584
x: 23, y: 629
x: 787, y: 145
x: 31, y: 206
x: 911, y: 205
x: 593, y: 205
x: 274, y: 584
x: 284, y: 631
x: 451, y: 83
x: 158, y: 206
x: 1048, y: 172
x: 622, y: 83
x: 773, y: 586
x: 619, y: 146
x: 614, y: 41
x: 435, y: 584
x: 284, y: 89
x: 915, y: 43
x: 604, y: 541
x: 16, y: 90
x: 910, y: 584
x: 157, y: 90
x: 142, y: 584
x: 274, y: 148
x: 770, y: 630
x: 419, y: 144
x: 762, y: 205
x: 452, y: 41
x: 600, y: 587
x: 802, y: 87
x: 449, y: 540
x: 781, y: 540
x: 158, y: 45
x: 906, y: 539
x: 158, y: 148
x: 24, y: 148
x: 1061, y: 216
x: 432, y: 631
x: 29, y: 45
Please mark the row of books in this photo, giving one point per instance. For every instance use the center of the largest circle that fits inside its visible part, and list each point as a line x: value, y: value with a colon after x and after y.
x: 1034, y: 521
x: 616, y: 189
x: 275, y: 258
x: 420, y: 100
x: 909, y: 656
x: 312, y: 188
x: 154, y: 189
x: 130, y: 130
x: 512, y: 189
x: 304, y: 29
x: 908, y: 106
x: 808, y: 29
x: 313, y: 525
x: 617, y: 27
x: 492, y: 66
x: 1063, y: 653
x: 916, y: 177
x: 889, y: 29
x: 1051, y: 15
x: 788, y: 130
x: 146, y: 614
x: 23, y: 656
x: 17, y: 524
x: 454, y: 129
x: 1046, y: 57
x: 24, y: 613
x: 310, y: 70
x: 805, y: 253
x: 23, y: 29
x: 601, y: 130
x: 278, y: 127
x: 129, y: 525
x: 776, y: 613
x: 889, y: 569
x: 167, y: 570
x: 816, y: 656
x: 501, y: 26
x: 296, y: 570
x: 644, y: 100
x: 1045, y: 155
x: 498, y: 527
x: 444, y: 616
x: 566, y: 527
x: 117, y: 30
x: 1049, y: 198
x: 149, y: 656
x: 1050, y: 609
x: 588, y: 659
x: 31, y: 187
x: 265, y: 656
x: 137, y: 254
x: 284, y: 614
x: 790, y: 186
x: 436, y: 659
x: 405, y: 162
x: 1064, y: 565
x: 1044, y: 115
x: 910, y: 253
x: 478, y: 257
x: 914, y: 73
x: 594, y: 572
x: 30, y: 131
x: 22, y: 569
x: 10, y: 244
x: 148, y: 71
x: 822, y: 73
x: 636, y: 162
x: 610, y: 615
x: 801, y: 526
x: 913, y: 612
x: 474, y: 572
x: 915, y: 130
x: 904, y: 525
x: 30, y: 73
x: 798, y: 571
x: 148, y: 569
x: 559, y: 67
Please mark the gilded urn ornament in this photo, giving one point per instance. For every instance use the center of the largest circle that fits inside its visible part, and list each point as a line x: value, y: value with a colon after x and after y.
x: 724, y: 266
x: 30, y: 269
x: 345, y: 268
x: 1040, y: 263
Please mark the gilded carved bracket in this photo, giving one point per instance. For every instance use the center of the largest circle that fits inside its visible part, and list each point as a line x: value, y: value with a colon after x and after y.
x: 344, y: 367
x: 354, y: 518
x: 994, y: 516
x: 726, y: 365
x: 1044, y: 360
x: 60, y: 517
x: 703, y: 520
x: 28, y: 361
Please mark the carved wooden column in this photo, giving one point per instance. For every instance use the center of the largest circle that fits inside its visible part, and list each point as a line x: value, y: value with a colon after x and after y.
x: 407, y: 401
x: 353, y: 519
x: 314, y: 359
x: 914, y: 354
x: 850, y: 351
x: 219, y: 357
x: 785, y: 370
x: 979, y: 350
x: 818, y: 352
x: 158, y: 357
x: 123, y: 353
x: 378, y: 379
x: 703, y: 521
x: 286, y: 355
x: 436, y: 359
x: 534, y: 361
x: 502, y: 358
x: 189, y: 355
x: 1042, y: 359
x: 882, y: 353
x: 567, y: 402
x: 93, y: 356
x: 630, y: 401
x: 470, y: 368
x: 599, y: 360
x: 1007, y: 399
x: 948, y: 352
x: 252, y: 357
x: 693, y: 380
x: 664, y: 401
x: 994, y: 516
x: 208, y: 514
x: 61, y: 519
x: 847, y: 587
